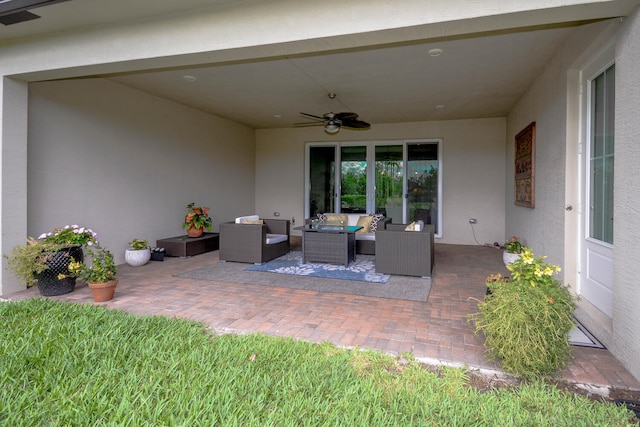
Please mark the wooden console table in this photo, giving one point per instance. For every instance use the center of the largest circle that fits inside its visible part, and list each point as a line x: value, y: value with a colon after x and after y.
x: 185, y: 246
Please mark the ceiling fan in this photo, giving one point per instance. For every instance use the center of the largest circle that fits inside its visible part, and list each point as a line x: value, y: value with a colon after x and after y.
x: 332, y: 122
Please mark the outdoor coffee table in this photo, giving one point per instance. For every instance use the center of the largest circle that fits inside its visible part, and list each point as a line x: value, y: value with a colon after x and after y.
x: 333, y: 244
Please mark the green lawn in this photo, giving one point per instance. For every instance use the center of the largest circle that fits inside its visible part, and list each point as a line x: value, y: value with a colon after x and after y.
x: 66, y: 364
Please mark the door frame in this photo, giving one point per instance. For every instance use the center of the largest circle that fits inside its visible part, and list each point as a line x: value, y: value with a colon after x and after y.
x: 599, y: 63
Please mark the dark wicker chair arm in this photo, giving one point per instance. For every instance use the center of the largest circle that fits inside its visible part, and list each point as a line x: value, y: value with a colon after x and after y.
x: 382, y: 225
x: 396, y: 227
x: 278, y: 226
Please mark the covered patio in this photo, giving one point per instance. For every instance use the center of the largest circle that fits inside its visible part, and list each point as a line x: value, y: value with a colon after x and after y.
x: 435, y: 332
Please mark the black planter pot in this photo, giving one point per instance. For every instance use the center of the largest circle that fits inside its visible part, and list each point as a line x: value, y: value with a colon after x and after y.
x: 58, y: 263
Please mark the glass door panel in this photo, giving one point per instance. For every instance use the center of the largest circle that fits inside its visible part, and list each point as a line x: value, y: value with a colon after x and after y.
x: 422, y: 183
x: 353, y: 179
x: 322, y: 170
x: 602, y: 158
x: 389, y: 173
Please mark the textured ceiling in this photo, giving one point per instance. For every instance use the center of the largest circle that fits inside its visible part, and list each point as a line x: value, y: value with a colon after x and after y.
x: 475, y: 77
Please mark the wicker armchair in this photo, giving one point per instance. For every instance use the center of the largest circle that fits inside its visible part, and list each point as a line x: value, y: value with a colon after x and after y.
x: 249, y: 242
x: 406, y: 253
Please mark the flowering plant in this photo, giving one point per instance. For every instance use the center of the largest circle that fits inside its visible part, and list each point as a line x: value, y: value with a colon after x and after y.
x: 533, y: 270
x: 197, y: 217
x: 29, y: 260
x: 71, y: 235
x: 513, y: 245
x: 101, y: 270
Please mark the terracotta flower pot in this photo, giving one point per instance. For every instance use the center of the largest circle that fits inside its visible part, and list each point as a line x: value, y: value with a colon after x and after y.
x: 195, y: 232
x: 103, y: 291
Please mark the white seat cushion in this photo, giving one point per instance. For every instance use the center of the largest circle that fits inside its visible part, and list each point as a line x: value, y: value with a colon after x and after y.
x: 276, y: 238
x: 241, y: 219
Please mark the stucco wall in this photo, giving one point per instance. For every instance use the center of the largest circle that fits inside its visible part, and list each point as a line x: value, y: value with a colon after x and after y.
x: 626, y: 297
x: 545, y: 103
x: 552, y: 102
x: 13, y: 152
x: 473, y: 171
x: 126, y: 164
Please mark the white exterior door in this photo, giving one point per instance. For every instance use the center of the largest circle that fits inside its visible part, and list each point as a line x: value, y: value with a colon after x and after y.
x: 596, y: 263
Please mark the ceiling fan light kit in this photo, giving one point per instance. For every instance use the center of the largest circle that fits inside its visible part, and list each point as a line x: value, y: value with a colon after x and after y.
x: 332, y: 122
x: 331, y: 127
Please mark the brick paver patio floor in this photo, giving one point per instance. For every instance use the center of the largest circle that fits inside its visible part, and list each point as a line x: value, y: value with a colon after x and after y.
x: 436, y: 331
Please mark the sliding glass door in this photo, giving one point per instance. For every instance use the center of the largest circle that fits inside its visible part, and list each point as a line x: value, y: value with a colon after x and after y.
x: 422, y: 183
x: 389, y: 182
x: 321, y: 171
x: 400, y: 179
x: 353, y: 179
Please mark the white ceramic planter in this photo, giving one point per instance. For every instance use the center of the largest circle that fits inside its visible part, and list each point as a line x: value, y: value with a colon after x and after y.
x: 508, y: 257
x: 136, y: 258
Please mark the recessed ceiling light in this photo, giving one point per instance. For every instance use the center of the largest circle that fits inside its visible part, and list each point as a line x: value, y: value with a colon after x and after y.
x: 435, y: 52
x: 190, y: 78
x: 277, y: 116
x: 439, y: 107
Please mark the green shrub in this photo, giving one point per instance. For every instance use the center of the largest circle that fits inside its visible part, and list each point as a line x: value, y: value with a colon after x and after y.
x: 526, y: 319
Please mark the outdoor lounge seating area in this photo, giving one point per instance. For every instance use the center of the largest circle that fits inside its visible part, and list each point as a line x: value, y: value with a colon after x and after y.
x: 254, y: 240
x: 400, y: 249
x: 365, y: 238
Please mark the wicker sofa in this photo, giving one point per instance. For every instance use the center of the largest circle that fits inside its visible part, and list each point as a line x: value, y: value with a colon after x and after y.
x: 406, y: 253
x: 365, y: 239
x: 246, y: 241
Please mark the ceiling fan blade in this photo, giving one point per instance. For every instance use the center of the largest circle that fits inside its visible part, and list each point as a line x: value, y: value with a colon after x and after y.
x: 311, y: 115
x: 355, y: 125
x: 346, y: 116
x: 309, y: 124
x: 332, y: 122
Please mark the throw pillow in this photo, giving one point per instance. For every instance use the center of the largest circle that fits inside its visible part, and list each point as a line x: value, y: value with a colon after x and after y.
x: 253, y: 221
x: 375, y: 218
x: 411, y: 227
x: 365, y: 222
x: 322, y: 217
x: 336, y: 219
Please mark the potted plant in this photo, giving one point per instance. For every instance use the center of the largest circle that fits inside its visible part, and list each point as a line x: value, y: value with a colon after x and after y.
x: 196, y: 220
x: 526, y: 318
x: 100, y: 275
x: 513, y: 249
x: 138, y: 254
x: 45, y: 261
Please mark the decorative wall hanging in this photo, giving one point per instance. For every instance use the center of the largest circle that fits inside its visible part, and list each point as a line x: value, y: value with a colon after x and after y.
x: 525, y: 159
